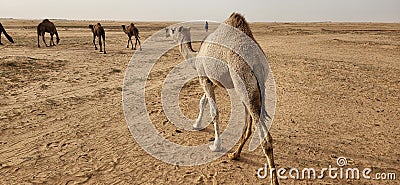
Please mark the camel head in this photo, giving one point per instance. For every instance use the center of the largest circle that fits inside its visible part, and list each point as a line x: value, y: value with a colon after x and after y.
x: 91, y: 27
x: 183, y: 34
x: 169, y: 32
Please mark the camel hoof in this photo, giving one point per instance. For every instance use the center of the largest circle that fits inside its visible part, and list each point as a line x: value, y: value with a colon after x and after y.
x: 214, y: 148
x: 196, y: 125
x: 233, y: 156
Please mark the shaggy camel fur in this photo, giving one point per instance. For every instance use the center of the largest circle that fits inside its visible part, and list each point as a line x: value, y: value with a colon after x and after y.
x: 131, y: 30
x: 49, y: 27
x: 2, y: 30
x: 98, y: 31
x: 237, y: 74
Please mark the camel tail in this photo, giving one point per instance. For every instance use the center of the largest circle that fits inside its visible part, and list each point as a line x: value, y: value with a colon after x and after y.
x: 9, y: 38
x: 57, y: 37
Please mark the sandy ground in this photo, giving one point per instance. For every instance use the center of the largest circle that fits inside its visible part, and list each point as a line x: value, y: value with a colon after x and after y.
x: 62, y: 122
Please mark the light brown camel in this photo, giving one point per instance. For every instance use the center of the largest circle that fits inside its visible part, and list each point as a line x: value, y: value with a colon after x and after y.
x: 98, y: 31
x: 237, y: 74
x: 131, y: 30
x: 2, y: 30
x: 49, y: 27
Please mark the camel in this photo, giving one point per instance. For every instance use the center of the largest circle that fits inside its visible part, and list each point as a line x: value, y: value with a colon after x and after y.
x: 49, y: 27
x: 238, y: 75
x: 131, y: 30
x: 98, y: 31
x: 2, y: 30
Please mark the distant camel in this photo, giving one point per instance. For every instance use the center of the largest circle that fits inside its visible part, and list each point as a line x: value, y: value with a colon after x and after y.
x: 49, y: 27
x: 131, y: 30
x: 2, y: 30
x: 238, y: 75
x: 98, y: 31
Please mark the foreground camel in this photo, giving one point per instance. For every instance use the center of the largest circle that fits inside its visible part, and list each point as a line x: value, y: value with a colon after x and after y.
x: 98, y: 31
x: 239, y: 76
x: 131, y: 30
x: 49, y: 27
x: 2, y: 30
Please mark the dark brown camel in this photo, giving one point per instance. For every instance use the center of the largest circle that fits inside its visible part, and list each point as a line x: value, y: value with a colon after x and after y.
x: 98, y: 31
x: 49, y: 27
x: 2, y: 30
x: 131, y: 30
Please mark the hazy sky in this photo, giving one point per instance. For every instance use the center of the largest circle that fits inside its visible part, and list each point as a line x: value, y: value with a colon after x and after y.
x: 216, y: 10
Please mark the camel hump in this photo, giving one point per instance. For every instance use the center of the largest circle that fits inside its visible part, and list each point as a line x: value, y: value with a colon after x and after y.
x: 98, y: 24
x: 238, y: 21
x: 46, y: 20
x: 132, y: 24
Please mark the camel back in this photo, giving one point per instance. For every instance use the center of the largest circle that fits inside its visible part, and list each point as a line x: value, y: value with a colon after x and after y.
x: 238, y: 21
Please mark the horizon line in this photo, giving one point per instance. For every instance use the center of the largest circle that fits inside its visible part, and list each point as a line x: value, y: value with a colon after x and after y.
x: 122, y: 20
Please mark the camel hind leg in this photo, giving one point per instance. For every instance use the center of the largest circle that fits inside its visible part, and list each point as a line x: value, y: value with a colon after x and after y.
x: 51, y: 40
x: 269, y: 153
x: 100, y: 44
x: 131, y: 42
x: 245, y: 136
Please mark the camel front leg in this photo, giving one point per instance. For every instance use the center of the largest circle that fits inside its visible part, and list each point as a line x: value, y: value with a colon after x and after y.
x: 209, y: 91
x: 202, y: 104
x: 38, y: 40
x: 104, y: 44
x: 94, y: 42
x: 127, y: 46
x: 44, y: 40
x: 138, y: 41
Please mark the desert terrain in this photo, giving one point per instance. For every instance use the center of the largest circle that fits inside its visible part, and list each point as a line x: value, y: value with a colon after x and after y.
x: 62, y: 119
